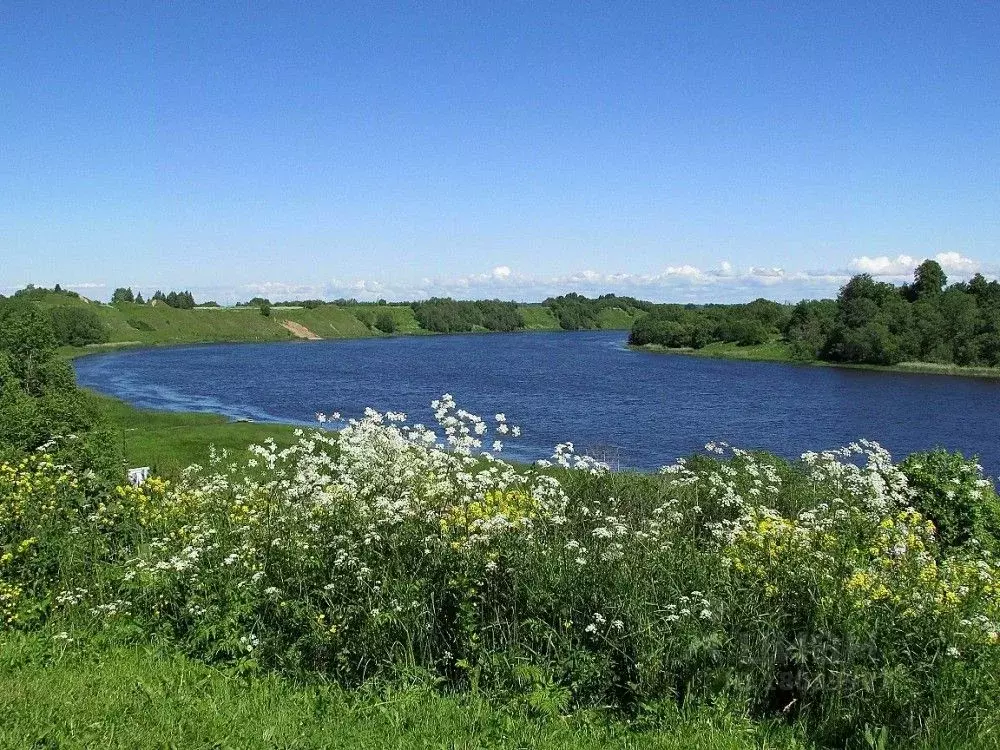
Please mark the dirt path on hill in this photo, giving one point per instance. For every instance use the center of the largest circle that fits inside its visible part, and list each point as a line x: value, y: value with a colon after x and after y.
x: 299, y: 330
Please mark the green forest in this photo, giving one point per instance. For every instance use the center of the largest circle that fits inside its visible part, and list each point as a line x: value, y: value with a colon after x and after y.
x: 871, y: 322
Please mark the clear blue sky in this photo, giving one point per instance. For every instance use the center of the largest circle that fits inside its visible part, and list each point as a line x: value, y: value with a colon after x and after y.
x: 510, y: 149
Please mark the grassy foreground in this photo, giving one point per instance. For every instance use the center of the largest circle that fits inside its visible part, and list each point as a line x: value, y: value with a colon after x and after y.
x: 64, y: 694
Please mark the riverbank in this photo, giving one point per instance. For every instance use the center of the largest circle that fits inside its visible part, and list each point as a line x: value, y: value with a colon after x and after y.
x: 169, y: 442
x: 778, y: 351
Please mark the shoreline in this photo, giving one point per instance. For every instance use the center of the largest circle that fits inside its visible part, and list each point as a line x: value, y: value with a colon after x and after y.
x: 112, y: 347
x: 754, y: 354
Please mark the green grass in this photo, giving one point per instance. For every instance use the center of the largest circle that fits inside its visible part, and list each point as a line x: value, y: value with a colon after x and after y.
x: 778, y: 351
x: 155, y: 325
x: 539, y: 317
x: 159, y: 324
x: 104, y: 689
x: 616, y: 317
x: 87, y: 695
x: 171, y: 441
x: 772, y: 351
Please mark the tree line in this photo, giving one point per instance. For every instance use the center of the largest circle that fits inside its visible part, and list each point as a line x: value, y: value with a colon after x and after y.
x: 576, y: 312
x: 870, y: 322
x: 695, y: 326
x: 446, y: 315
x: 71, y: 324
x: 180, y: 300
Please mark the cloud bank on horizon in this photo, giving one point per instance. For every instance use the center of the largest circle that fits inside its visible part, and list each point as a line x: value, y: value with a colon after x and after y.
x: 680, y: 283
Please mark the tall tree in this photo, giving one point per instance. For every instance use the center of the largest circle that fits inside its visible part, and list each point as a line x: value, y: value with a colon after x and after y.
x: 122, y: 294
x: 929, y: 279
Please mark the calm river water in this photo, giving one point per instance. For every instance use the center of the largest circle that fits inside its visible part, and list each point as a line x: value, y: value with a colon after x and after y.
x: 639, y: 410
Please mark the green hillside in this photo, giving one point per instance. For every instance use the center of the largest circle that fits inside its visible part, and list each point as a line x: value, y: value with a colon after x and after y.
x: 127, y: 323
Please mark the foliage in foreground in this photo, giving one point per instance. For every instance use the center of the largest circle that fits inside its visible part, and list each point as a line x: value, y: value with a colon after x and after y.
x: 815, y: 593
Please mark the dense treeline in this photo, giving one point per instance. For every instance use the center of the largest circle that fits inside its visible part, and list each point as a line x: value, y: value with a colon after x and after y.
x: 873, y: 322
x: 576, y: 312
x: 180, y: 300
x: 572, y: 311
x: 309, y: 304
x: 446, y: 315
x: 77, y: 326
x: 695, y: 326
x: 870, y: 322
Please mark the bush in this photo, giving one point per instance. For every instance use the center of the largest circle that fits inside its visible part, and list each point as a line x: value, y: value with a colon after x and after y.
x: 385, y: 322
x: 951, y: 491
x: 78, y: 326
x: 445, y: 315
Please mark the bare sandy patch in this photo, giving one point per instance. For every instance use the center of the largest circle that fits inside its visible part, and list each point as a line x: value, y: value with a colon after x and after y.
x: 299, y: 330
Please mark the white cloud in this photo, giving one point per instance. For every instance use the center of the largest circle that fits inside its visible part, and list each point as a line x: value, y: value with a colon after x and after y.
x: 902, y: 266
x: 279, y: 289
x: 957, y: 263
x: 681, y: 282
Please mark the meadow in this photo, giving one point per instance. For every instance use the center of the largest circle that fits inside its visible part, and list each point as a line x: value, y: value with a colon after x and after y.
x: 397, y: 584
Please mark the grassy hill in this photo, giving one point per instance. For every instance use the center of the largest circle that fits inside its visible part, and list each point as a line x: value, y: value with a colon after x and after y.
x: 159, y: 324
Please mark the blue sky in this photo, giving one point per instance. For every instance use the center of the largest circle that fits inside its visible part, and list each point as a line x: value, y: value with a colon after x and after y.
x: 689, y: 151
